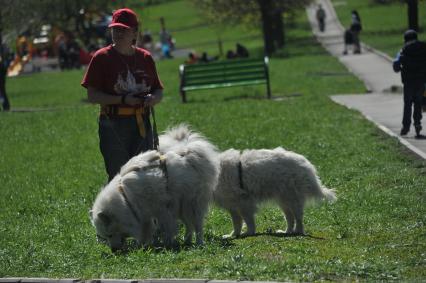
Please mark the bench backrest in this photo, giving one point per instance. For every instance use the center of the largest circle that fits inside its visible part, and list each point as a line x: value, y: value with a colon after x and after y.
x: 224, y: 72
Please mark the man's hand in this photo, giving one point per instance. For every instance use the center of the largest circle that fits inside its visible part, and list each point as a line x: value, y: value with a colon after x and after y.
x: 149, y: 100
x: 134, y: 100
x: 145, y: 99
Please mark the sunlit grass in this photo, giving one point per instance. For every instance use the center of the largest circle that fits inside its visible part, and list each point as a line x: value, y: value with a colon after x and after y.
x: 51, y: 171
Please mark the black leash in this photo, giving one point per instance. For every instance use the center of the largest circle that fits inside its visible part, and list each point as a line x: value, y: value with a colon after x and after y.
x: 155, y: 141
x: 129, y: 205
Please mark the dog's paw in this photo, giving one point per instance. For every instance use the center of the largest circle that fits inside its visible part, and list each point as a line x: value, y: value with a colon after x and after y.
x: 230, y: 236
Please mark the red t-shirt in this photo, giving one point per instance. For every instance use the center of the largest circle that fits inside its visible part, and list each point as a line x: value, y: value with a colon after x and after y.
x: 117, y: 74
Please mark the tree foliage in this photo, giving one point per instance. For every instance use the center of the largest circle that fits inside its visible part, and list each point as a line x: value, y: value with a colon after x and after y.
x: 28, y: 15
x: 245, y: 11
x: 266, y: 14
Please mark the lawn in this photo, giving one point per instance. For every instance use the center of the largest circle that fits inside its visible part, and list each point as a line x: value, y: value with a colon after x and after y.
x: 383, y: 24
x: 51, y: 171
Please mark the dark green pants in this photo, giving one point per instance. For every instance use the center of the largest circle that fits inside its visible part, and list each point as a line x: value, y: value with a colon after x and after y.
x: 120, y: 140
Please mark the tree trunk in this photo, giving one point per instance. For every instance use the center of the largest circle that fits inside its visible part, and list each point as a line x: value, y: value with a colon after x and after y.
x: 413, y: 14
x: 278, y: 26
x: 267, y: 28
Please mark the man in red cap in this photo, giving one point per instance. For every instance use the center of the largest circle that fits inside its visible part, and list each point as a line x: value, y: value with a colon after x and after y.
x: 123, y: 79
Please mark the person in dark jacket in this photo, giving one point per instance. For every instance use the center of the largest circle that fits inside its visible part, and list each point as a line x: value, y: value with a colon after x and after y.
x: 411, y: 62
x: 355, y: 29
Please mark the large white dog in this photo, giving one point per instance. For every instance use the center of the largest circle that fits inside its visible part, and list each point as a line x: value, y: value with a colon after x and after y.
x: 155, y: 189
x: 250, y: 177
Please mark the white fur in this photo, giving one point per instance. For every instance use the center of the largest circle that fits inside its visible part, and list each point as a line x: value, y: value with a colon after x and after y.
x: 182, y: 192
x: 279, y: 175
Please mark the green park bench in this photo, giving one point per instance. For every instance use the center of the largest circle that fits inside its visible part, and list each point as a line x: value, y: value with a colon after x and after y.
x: 235, y: 72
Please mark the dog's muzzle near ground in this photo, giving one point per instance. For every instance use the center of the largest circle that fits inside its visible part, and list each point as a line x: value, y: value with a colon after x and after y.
x: 156, y: 189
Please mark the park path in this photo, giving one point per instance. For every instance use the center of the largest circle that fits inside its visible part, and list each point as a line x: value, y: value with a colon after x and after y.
x: 382, y: 103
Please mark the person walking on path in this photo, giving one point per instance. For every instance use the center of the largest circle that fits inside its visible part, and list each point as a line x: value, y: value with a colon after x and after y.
x: 355, y: 29
x: 123, y: 80
x: 411, y: 62
x: 320, y: 15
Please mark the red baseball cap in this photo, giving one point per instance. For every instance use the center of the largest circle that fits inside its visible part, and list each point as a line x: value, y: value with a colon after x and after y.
x: 125, y: 18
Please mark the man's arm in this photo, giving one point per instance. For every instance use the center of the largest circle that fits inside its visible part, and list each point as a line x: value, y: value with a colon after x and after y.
x: 153, y: 98
x: 397, y: 63
x: 98, y: 97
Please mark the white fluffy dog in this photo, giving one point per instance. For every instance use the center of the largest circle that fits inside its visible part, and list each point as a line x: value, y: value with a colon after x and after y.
x: 250, y: 177
x: 156, y: 188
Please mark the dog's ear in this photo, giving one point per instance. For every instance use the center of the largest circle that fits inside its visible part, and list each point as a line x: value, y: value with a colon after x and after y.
x: 105, y: 218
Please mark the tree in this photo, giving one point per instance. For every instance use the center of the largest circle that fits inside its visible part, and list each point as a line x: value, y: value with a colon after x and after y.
x: 265, y: 13
x: 413, y: 14
x: 21, y: 16
x: 412, y: 11
x: 6, y: 15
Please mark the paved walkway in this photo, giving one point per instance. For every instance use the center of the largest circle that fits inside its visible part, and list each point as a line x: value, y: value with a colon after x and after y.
x: 382, y: 104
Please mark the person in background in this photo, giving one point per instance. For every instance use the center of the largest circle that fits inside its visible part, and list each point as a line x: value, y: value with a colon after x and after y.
x: 192, y: 58
x: 5, y: 60
x: 320, y: 15
x: 230, y: 54
x: 123, y: 80
x: 355, y: 29
x: 348, y: 41
x: 241, y: 51
x: 206, y: 59
x: 411, y: 62
x: 166, y: 43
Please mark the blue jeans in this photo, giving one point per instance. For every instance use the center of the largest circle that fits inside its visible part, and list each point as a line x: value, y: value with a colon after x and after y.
x: 120, y: 140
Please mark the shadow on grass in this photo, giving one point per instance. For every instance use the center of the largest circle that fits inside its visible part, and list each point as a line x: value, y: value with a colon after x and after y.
x: 158, y: 248
x: 280, y: 235
x: 35, y: 109
x: 277, y: 97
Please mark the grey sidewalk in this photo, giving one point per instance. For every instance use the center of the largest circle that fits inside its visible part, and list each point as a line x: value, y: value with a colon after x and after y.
x: 374, y: 68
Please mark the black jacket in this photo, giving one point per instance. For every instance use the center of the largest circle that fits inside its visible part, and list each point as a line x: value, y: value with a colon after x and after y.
x: 413, y: 62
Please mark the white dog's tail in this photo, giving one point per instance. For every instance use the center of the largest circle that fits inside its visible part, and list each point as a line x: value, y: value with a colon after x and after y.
x: 176, y: 137
x: 180, y: 132
x: 317, y: 191
x: 328, y: 194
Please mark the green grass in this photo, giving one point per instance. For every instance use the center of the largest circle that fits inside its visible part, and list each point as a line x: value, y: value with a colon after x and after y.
x: 51, y: 171
x: 191, y: 30
x: 383, y: 25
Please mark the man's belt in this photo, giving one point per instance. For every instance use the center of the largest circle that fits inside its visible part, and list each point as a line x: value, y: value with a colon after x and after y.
x: 114, y: 111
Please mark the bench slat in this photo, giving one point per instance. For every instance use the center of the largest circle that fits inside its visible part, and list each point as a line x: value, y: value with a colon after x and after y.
x: 224, y: 68
x: 228, y: 81
x: 205, y: 78
x: 225, y: 63
x: 210, y: 86
x: 224, y: 72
